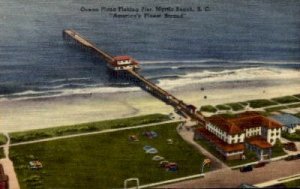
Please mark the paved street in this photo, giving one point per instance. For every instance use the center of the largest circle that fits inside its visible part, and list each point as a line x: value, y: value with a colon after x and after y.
x: 233, y: 178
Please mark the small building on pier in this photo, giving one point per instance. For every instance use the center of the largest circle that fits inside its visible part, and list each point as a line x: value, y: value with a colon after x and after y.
x: 123, y: 63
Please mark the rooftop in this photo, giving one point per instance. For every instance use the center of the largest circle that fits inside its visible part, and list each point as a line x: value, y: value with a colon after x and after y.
x: 259, y: 142
x: 218, y: 142
x: 120, y: 58
x: 224, y: 124
x: 287, y: 120
x: 242, y: 121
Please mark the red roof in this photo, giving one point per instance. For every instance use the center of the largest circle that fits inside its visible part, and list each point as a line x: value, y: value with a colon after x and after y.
x: 224, y: 124
x: 120, y: 58
x: 242, y: 121
x: 259, y: 142
x: 218, y: 142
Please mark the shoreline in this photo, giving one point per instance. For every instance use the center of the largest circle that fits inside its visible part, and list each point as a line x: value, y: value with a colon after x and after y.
x: 21, y: 115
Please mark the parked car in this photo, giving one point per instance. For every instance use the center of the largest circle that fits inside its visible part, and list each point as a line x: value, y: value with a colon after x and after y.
x: 35, y: 164
x: 292, y: 157
x: 172, y: 166
x: 246, y: 168
x: 291, y: 146
x: 163, y: 163
x: 260, y: 164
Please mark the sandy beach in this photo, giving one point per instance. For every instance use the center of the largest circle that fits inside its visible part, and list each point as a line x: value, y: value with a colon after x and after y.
x: 18, y: 115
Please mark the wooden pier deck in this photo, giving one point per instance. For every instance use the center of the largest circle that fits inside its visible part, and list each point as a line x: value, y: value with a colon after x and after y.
x: 180, y: 107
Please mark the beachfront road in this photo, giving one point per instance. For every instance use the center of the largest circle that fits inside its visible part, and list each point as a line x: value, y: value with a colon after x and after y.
x: 233, y: 178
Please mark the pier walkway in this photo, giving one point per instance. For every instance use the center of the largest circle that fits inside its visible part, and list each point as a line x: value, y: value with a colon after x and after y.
x: 186, y: 110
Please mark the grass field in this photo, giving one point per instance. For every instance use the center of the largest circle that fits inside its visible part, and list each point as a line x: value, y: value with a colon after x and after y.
x: 277, y: 149
x: 104, y: 160
x: 208, y: 108
x: 292, y: 136
x: 275, y: 109
x: 292, y: 184
x: 286, y: 99
x: 3, y: 139
x: 235, y: 106
x: 86, y: 127
x: 259, y: 103
x: 222, y: 107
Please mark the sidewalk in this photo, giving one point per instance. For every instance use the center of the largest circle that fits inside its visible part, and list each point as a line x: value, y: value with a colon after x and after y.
x: 188, y: 136
x: 9, y: 167
x: 92, y: 133
x: 278, y: 181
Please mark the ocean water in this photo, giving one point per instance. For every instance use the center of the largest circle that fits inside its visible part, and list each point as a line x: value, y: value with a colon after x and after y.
x: 233, y: 40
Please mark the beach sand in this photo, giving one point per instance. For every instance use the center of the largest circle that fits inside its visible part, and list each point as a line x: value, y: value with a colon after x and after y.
x: 18, y: 115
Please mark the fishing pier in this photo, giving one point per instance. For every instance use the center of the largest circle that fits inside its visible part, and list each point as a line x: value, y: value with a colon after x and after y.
x: 129, y: 67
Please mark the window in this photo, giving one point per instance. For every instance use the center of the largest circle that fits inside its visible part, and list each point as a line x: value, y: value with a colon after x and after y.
x: 271, y: 140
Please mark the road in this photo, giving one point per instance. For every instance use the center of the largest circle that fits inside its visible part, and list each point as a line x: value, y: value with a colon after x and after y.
x: 9, y: 167
x: 227, y: 178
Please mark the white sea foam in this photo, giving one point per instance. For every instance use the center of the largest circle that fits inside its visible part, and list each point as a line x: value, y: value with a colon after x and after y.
x: 69, y: 79
x: 261, y: 73
x: 220, y: 60
x: 179, y: 61
x: 243, y: 74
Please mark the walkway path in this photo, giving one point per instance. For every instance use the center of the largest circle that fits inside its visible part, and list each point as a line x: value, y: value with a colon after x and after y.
x: 9, y: 167
x: 93, y: 133
x: 188, y: 136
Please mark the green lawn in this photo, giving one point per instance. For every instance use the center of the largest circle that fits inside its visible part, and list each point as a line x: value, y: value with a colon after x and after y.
x: 286, y: 99
x: 223, y: 107
x: 259, y: 103
x: 275, y: 109
x: 86, y: 127
x: 292, y: 184
x: 236, y: 106
x: 292, y: 136
x: 208, y: 108
x: 104, y: 160
x: 277, y: 149
x: 3, y: 139
x: 297, y: 105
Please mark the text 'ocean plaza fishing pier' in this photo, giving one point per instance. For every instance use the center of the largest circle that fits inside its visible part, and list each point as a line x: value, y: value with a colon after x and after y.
x: 128, y: 66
